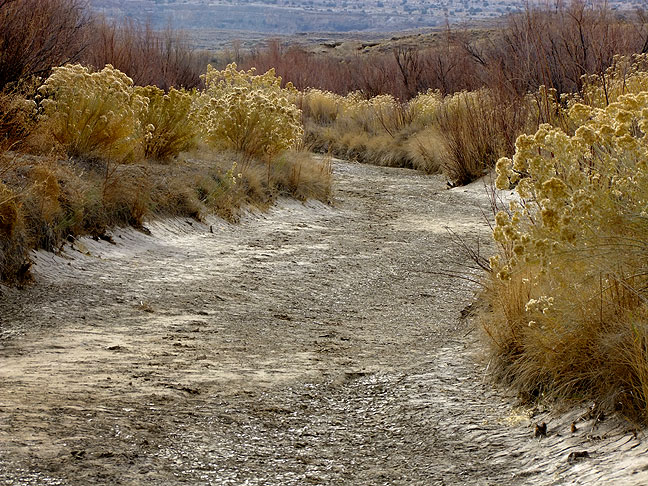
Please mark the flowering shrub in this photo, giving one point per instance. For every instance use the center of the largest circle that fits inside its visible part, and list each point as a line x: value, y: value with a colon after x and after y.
x: 570, y: 289
x: 322, y: 107
x: 249, y: 113
x: 627, y: 74
x: 92, y: 114
x: 572, y: 187
x: 168, y: 122
x: 380, y: 114
x: 423, y: 109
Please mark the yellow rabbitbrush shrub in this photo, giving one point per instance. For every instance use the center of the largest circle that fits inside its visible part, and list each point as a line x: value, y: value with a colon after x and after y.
x: 93, y: 114
x: 249, y: 113
x: 323, y: 107
x: 377, y: 115
x: 627, y: 74
x: 570, y: 285
x: 168, y: 122
x: 423, y: 108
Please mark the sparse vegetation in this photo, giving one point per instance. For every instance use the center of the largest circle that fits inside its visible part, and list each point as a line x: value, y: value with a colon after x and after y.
x: 513, y: 71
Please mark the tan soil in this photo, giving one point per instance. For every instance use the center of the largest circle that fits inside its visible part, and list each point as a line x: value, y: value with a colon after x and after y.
x: 312, y: 344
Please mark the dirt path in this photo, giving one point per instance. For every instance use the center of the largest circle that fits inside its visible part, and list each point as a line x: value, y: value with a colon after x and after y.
x: 308, y: 345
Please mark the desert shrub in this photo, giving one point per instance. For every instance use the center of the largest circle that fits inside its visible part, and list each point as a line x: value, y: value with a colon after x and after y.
x: 375, y: 115
x: 249, y: 113
x: 42, y: 207
x: 627, y: 74
x: 302, y: 176
x: 92, y: 114
x: 569, y: 283
x: 547, y: 43
x: 555, y: 45
x: 13, y: 252
x: 168, y: 122
x: 422, y: 109
x: 9, y: 211
x: 401, y: 71
x: 462, y: 134
x: 373, y: 130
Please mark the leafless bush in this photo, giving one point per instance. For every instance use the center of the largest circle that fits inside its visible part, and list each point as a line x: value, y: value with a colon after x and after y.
x: 149, y: 57
x: 36, y: 35
x: 554, y: 45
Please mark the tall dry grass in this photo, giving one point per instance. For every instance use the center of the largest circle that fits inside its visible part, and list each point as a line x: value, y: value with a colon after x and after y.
x: 474, y: 129
x: 517, y: 78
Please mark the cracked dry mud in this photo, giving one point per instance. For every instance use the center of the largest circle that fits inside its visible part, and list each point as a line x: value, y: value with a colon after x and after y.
x: 311, y: 344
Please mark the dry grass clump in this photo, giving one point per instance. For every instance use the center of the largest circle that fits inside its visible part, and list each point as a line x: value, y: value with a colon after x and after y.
x: 227, y: 182
x: 301, y: 176
x: 374, y: 130
x: 477, y: 128
x: 427, y: 150
x: 103, y: 116
x: 13, y: 259
x: 568, y: 289
x: 17, y: 119
x: 322, y: 107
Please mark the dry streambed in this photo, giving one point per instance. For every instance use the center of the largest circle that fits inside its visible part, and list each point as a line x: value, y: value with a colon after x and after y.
x: 312, y: 344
